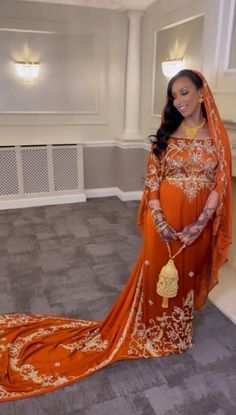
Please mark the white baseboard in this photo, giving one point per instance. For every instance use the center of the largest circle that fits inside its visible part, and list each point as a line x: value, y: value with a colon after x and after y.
x: 57, y: 200
x: 41, y: 201
x: 101, y: 192
x: 127, y: 196
x: 114, y: 191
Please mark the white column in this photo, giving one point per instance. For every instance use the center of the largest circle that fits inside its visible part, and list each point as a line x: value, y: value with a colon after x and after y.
x: 133, y: 86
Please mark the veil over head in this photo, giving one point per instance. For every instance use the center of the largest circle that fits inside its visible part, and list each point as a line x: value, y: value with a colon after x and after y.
x: 222, y: 229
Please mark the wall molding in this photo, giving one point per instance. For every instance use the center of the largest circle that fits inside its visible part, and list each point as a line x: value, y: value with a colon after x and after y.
x: 224, y: 74
x: 97, y: 106
x: 104, y: 4
x: 41, y: 201
x: 91, y: 143
x: 229, y: 40
x: 114, y: 191
x: 128, y: 196
x: 124, y: 144
x: 143, y: 144
x: 102, y: 192
x: 65, y: 199
x: 95, y: 112
x: 223, y: 92
x: 119, y: 144
x: 51, y: 122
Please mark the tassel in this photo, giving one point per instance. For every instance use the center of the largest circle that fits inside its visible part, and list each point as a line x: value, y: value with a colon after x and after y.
x: 167, y: 284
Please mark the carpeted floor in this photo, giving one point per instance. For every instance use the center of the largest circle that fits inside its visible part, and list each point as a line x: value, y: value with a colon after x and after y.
x: 73, y: 260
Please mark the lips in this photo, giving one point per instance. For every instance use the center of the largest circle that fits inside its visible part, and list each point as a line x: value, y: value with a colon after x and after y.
x: 182, y: 108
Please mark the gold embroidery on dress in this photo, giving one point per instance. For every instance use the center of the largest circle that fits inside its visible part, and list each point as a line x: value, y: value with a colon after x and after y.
x: 89, y: 342
x: 168, y: 333
x: 191, y: 185
x: 28, y: 372
x: 221, y: 154
x: 191, y: 165
x: 154, y: 173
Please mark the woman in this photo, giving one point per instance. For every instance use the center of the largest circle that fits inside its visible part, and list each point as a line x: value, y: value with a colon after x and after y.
x: 186, y: 209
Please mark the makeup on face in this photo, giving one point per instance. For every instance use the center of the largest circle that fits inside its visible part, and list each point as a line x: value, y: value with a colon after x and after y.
x: 185, y: 96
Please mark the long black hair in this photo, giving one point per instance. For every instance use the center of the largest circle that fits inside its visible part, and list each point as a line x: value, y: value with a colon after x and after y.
x: 171, y: 116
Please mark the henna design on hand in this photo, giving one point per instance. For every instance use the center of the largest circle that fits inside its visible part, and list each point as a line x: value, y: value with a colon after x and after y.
x: 191, y: 232
x: 167, y: 232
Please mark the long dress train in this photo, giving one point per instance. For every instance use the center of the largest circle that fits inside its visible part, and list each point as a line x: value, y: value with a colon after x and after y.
x: 42, y: 353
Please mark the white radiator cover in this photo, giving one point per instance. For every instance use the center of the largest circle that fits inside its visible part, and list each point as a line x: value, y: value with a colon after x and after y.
x: 41, y: 175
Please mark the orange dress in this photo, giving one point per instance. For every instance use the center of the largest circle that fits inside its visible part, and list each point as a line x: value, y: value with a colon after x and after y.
x: 42, y: 353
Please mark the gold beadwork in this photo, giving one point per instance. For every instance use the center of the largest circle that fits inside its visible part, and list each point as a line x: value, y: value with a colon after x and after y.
x: 167, y: 284
x: 191, y: 179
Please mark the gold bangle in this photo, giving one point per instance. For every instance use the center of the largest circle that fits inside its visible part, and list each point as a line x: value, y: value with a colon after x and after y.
x: 161, y: 228
x: 160, y: 224
x: 159, y: 219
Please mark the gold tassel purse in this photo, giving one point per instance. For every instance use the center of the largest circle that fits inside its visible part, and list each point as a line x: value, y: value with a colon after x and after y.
x: 167, y: 284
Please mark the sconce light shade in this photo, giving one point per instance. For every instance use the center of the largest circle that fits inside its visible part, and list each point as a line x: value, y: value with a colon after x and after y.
x: 171, y: 67
x: 28, y: 70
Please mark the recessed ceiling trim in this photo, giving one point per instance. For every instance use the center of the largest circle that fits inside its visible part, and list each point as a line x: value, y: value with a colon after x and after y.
x: 101, y: 4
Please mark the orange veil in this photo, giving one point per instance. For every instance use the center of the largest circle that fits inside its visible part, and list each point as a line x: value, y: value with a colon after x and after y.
x: 222, y: 230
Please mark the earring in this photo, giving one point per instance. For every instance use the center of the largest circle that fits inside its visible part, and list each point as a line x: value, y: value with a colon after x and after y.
x: 201, y: 99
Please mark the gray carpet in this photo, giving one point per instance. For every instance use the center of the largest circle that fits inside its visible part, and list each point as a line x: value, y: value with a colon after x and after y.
x: 73, y: 260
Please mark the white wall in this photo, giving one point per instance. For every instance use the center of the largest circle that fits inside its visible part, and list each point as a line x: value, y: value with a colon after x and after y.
x: 79, y: 95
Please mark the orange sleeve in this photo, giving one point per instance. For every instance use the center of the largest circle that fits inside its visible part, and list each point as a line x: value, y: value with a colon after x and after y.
x: 154, y: 176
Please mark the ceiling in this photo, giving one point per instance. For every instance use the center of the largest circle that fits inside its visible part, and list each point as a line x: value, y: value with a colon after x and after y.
x: 105, y: 4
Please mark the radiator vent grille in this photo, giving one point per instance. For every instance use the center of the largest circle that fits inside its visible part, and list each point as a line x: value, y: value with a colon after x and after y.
x: 65, y: 168
x: 8, y: 172
x: 46, y: 170
x: 35, y: 170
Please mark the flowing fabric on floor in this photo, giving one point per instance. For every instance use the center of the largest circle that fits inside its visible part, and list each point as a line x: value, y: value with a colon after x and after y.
x: 40, y: 353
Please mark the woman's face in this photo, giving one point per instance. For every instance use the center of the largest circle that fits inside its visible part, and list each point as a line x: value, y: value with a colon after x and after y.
x: 186, y: 96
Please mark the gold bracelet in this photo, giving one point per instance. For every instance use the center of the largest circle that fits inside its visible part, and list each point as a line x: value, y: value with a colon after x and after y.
x: 159, y: 217
x: 161, y: 228
x: 159, y: 222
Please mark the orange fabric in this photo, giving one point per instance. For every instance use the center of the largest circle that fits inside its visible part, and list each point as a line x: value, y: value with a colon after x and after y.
x: 39, y: 354
x: 223, y: 219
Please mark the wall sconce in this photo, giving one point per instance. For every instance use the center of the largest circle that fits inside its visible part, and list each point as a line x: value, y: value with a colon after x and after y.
x: 28, y: 70
x: 171, y: 67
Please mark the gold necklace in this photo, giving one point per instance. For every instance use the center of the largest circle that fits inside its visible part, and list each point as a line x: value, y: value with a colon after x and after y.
x: 191, y: 132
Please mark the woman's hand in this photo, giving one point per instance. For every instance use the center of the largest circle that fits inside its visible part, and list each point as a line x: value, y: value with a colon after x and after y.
x: 166, y: 231
x: 190, y: 233
x: 169, y: 234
